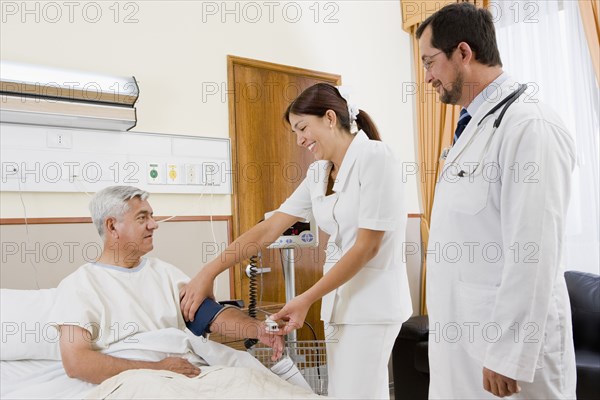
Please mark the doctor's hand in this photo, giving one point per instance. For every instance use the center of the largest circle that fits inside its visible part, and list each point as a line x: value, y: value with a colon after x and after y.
x: 499, y: 385
x: 294, y: 312
x: 193, y: 294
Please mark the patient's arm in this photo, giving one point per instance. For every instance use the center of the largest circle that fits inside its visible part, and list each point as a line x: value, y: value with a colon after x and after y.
x: 82, y: 362
x: 245, y: 246
x: 234, y: 323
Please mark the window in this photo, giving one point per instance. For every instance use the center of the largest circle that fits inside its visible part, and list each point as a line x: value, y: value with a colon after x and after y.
x: 542, y: 43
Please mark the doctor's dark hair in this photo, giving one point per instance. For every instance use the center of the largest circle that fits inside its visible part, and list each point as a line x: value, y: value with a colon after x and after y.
x: 319, y: 98
x: 463, y: 22
x: 112, y: 202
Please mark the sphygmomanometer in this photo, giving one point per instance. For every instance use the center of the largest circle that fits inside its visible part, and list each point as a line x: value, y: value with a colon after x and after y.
x: 205, y: 315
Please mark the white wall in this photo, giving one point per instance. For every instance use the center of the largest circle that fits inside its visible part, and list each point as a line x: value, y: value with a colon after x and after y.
x: 177, y: 50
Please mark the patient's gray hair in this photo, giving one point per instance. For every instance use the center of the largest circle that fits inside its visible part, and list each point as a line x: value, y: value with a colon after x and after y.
x: 112, y: 202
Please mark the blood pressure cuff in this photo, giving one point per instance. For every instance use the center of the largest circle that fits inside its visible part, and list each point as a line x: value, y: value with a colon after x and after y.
x: 206, y: 314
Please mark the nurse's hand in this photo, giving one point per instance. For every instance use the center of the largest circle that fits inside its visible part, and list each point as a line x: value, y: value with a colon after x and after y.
x: 294, y: 312
x: 499, y: 385
x: 193, y: 294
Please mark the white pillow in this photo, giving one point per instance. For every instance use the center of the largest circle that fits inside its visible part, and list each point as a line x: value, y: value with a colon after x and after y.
x: 27, y: 334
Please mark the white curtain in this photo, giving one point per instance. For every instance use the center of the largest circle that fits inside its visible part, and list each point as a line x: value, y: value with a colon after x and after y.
x: 542, y: 43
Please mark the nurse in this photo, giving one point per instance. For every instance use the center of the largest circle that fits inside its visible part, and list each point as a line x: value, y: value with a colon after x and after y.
x: 499, y: 314
x: 354, y: 192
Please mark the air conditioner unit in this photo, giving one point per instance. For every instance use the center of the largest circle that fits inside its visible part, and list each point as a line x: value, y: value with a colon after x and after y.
x: 38, y: 95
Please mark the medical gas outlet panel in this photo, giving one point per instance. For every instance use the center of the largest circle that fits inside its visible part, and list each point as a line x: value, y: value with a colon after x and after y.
x: 205, y: 174
x: 50, y: 159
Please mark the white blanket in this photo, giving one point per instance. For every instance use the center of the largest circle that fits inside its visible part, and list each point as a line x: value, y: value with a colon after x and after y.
x: 233, y: 374
x: 212, y: 383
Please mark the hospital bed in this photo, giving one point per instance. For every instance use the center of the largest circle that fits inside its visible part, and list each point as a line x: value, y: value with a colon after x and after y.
x: 30, y: 365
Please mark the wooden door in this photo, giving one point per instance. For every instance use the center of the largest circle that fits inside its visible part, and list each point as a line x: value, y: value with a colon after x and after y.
x: 268, y: 166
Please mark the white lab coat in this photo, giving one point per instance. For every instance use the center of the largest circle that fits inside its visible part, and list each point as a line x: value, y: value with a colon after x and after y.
x: 496, y: 294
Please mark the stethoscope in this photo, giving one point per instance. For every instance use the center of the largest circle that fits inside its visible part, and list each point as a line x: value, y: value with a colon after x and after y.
x: 506, y: 102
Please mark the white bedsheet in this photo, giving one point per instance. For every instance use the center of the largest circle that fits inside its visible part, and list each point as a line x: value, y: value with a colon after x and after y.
x: 39, y: 379
x: 234, y: 374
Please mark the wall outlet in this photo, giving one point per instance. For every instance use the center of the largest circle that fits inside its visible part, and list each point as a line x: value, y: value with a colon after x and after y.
x: 192, y: 174
x: 59, y: 140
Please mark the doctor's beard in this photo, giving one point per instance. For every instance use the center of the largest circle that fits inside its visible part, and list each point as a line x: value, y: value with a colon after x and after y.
x: 453, y: 95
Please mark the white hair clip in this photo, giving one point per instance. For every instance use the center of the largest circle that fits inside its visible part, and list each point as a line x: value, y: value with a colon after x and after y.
x: 352, y: 108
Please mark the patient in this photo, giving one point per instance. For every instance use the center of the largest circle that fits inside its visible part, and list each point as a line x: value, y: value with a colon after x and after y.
x: 123, y: 293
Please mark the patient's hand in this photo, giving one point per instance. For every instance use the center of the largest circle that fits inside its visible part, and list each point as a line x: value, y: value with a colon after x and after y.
x: 82, y: 362
x: 194, y: 293
x: 276, y: 342
x: 178, y: 365
x: 232, y: 322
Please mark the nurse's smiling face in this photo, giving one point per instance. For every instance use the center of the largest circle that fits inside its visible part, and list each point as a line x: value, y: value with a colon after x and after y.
x: 316, y: 134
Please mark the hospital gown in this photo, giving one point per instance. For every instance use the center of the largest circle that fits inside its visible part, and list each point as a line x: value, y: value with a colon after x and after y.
x: 115, y: 303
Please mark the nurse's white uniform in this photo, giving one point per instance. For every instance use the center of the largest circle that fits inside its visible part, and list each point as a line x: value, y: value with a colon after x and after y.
x: 366, y: 312
x: 496, y: 294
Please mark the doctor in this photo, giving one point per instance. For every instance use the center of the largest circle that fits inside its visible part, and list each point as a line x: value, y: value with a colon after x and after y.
x: 499, y: 312
x: 354, y: 193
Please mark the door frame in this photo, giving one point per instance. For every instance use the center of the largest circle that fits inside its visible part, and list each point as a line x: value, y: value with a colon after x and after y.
x: 232, y: 61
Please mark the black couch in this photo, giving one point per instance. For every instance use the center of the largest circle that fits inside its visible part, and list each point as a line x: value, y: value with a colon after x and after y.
x: 410, y: 360
x: 411, y: 365
x: 584, y: 293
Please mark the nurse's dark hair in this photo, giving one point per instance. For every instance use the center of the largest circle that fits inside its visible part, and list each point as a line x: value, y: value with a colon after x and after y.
x: 319, y: 98
x: 463, y: 22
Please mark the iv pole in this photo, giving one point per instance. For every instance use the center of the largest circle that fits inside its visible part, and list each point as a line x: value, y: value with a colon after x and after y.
x: 288, y: 264
x: 301, y: 236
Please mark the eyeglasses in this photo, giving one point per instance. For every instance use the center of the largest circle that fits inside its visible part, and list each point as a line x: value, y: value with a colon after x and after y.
x: 427, y: 61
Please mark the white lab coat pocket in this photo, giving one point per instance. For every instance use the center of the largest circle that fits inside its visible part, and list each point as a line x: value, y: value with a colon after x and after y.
x: 553, y: 335
x: 476, y: 307
x: 327, y: 304
x: 469, y: 194
x: 328, y: 301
